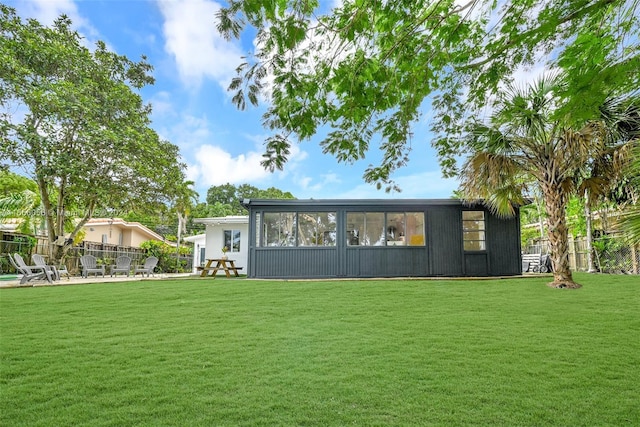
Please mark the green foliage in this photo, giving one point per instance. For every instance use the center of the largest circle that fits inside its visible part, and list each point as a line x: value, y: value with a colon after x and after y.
x: 528, y: 141
x: 576, y: 220
x: 631, y: 219
x: 12, y: 183
x: 225, y: 200
x: 365, y: 69
x: 166, y: 255
x: 86, y: 135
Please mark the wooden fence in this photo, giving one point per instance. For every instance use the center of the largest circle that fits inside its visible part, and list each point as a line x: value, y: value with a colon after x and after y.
x: 611, y: 254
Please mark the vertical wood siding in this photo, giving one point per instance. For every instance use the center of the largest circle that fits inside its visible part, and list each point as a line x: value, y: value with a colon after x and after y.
x: 445, y: 236
x: 442, y: 255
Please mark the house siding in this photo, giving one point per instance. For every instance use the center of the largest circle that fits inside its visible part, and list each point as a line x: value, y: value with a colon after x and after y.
x: 441, y: 255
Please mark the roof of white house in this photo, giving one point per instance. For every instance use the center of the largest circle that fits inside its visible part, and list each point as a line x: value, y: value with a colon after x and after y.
x: 194, y: 238
x: 220, y: 220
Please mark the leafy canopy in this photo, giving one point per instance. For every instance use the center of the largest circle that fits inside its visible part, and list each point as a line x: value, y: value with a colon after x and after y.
x: 365, y: 69
x: 71, y: 118
x: 224, y: 200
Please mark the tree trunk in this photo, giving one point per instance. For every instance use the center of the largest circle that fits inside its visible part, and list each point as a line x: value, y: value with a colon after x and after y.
x: 558, y: 234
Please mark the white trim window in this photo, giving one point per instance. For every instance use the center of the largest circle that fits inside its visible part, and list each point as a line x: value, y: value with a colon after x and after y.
x: 231, y: 240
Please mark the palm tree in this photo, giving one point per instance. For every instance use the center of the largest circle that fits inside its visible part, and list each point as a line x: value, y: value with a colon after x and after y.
x: 14, y: 205
x: 527, y: 141
x: 185, y: 199
x: 631, y: 219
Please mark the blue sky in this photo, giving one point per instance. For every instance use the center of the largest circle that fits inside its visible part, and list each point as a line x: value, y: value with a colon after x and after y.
x: 192, y: 108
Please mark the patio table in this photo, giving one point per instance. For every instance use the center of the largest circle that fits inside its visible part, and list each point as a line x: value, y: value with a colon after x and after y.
x: 228, y: 265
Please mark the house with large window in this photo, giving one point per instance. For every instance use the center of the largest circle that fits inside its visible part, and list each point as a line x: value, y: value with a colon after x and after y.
x: 379, y: 238
x: 231, y: 232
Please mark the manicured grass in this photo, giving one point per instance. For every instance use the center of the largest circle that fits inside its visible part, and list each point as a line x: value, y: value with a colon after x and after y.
x: 251, y: 353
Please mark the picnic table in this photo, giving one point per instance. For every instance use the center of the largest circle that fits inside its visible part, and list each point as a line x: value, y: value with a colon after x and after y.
x: 228, y: 265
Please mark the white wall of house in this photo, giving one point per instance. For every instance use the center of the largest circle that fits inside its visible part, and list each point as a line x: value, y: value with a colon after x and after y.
x: 198, y: 249
x: 215, y: 238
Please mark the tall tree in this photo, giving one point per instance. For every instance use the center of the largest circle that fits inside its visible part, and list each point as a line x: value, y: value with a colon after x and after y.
x: 74, y: 122
x: 365, y: 68
x: 526, y: 139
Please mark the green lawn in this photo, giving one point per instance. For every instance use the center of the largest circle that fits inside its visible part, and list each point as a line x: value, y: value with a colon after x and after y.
x: 372, y: 353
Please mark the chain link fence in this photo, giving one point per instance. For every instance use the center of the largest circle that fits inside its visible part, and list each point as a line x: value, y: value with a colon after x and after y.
x: 611, y: 254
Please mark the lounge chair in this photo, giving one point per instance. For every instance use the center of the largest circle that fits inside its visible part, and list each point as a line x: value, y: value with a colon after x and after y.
x: 90, y: 265
x: 29, y: 272
x: 51, y: 270
x: 123, y: 265
x: 149, y: 264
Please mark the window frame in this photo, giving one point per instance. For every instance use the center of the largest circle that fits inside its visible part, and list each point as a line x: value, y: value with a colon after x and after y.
x: 231, y: 247
x: 467, y: 230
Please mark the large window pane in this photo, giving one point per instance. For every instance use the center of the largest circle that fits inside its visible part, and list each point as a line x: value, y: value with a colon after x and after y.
x: 373, y: 234
x: 307, y: 229
x: 355, y: 228
x: 326, y: 229
x: 316, y: 229
x: 414, y: 229
x: 395, y: 229
x: 279, y: 229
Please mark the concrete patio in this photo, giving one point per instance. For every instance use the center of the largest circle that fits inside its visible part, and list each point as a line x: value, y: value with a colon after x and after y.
x: 78, y: 280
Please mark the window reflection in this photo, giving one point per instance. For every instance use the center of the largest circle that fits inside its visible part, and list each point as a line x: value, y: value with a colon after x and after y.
x: 391, y: 229
x: 279, y: 229
x: 316, y: 229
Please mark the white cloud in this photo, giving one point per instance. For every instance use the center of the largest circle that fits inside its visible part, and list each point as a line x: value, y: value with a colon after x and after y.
x: 215, y: 166
x: 192, y: 39
x: 47, y: 11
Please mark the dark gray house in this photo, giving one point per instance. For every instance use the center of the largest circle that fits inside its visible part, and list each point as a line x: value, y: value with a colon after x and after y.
x: 379, y: 238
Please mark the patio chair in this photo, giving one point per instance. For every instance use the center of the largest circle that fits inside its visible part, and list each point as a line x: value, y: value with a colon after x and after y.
x: 29, y: 272
x: 149, y: 264
x: 90, y: 265
x: 50, y: 269
x: 123, y: 265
